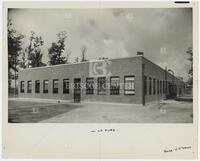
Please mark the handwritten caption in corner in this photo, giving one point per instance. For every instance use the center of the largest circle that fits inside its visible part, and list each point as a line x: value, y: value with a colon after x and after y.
x: 180, y: 148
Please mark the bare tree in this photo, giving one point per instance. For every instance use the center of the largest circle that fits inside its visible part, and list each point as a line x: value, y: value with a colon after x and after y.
x: 83, y: 51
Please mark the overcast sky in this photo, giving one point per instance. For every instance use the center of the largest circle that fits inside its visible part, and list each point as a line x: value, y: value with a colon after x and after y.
x: 162, y: 34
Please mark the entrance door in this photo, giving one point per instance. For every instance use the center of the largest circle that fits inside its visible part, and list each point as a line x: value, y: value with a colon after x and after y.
x: 172, y: 91
x: 77, y: 90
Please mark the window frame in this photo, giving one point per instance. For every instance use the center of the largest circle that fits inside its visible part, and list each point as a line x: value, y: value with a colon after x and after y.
x: 45, y: 90
x: 154, y: 86
x: 66, y: 90
x: 125, y: 90
x: 117, y: 90
x: 22, y: 90
x: 36, y: 83
x: 29, y: 86
x: 160, y: 86
x: 55, y: 91
x: 150, y: 86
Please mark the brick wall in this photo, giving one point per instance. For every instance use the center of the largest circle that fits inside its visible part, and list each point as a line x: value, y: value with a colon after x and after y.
x: 155, y: 72
x: 118, y: 67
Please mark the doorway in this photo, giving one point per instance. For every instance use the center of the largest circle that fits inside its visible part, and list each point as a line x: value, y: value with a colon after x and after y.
x: 77, y: 90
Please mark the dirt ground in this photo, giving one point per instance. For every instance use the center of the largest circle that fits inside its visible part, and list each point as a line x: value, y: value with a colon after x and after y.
x: 169, y: 111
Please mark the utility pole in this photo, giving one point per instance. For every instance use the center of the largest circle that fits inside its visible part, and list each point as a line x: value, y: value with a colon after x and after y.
x: 173, y: 84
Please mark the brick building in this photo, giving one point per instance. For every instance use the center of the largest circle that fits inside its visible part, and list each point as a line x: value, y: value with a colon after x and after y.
x: 126, y: 80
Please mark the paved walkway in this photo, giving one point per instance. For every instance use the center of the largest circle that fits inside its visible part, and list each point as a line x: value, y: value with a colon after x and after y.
x: 165, y: 112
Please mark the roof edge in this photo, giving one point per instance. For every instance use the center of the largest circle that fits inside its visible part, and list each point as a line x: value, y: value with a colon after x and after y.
x: 96, y: 60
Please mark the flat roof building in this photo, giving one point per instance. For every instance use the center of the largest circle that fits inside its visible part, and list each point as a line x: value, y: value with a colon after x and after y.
x: 133, y: 80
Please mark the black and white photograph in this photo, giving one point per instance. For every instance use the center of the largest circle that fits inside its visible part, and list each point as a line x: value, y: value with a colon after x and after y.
x: 131, y: 65
x: 100, y: 80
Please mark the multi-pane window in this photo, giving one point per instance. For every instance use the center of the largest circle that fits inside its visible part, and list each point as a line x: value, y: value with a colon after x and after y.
x: 145, y: 85
x: 55, y: 86
x: 154, y: 86
x: 45, y: 86
x: 114, y: 85
x: 158, y: 89
x: 37, y: 86
x: 150, y: 86
x: 101, y: 85
x: 89, y: 85
x: 22, y: 87
x: 129, y: 85
x: 66, y: 86
x: 29, y: 86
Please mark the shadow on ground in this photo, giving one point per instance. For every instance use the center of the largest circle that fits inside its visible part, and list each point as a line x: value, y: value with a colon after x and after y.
x: 32, y: 112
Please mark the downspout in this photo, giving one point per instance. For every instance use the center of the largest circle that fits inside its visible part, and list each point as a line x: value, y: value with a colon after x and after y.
x: 141, y: 54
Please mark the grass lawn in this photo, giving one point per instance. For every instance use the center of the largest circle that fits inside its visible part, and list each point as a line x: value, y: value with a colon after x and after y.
x: 32, y: 112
